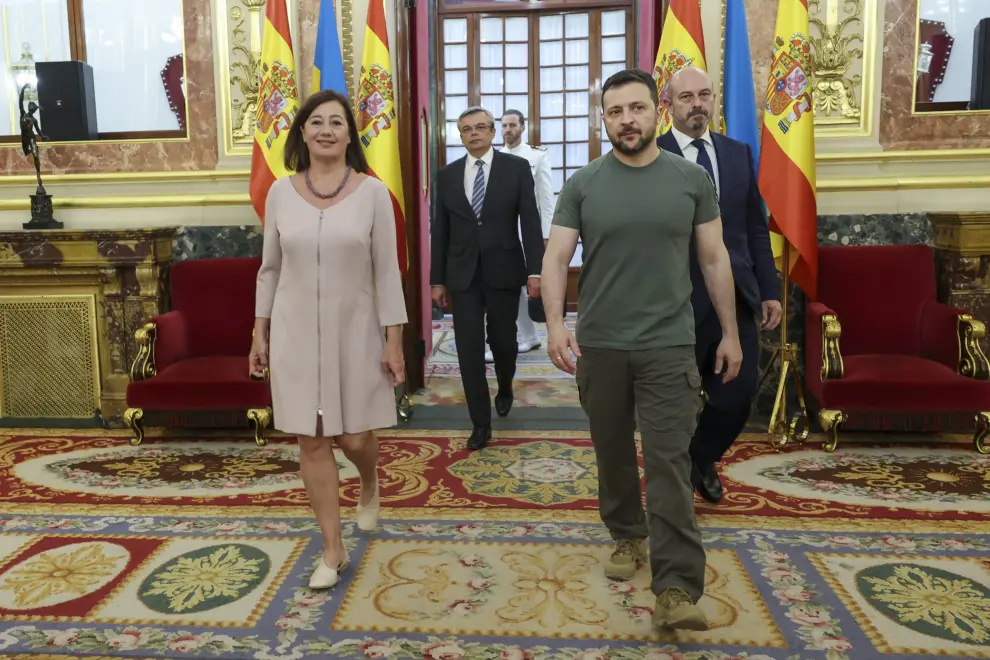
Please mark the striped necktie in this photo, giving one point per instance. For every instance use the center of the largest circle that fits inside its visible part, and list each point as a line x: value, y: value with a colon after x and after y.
x: 478, y: 196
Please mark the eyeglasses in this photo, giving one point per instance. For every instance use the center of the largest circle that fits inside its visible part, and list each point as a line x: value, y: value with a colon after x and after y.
x: 479, y: 128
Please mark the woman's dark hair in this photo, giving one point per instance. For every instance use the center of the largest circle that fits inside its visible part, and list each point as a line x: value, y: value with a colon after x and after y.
x: 297, y: 153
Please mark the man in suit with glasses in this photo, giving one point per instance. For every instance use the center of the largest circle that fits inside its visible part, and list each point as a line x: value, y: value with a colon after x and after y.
x: 484, y: 202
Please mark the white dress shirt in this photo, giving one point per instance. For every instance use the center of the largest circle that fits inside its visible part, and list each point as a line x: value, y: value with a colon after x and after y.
x: 471, y: 172
x: 691, y: 152
x: 539, y: 165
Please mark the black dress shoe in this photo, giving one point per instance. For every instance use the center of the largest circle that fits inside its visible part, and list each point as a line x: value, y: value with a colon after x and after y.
x: 479, y: 437
x: 503, y: 404
x: 709, y: 484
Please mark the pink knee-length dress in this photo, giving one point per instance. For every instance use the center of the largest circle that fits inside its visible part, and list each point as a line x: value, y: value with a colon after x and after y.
x: 330, y: 282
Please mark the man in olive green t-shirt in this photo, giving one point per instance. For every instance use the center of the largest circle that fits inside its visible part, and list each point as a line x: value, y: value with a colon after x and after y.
x: 635, y: 210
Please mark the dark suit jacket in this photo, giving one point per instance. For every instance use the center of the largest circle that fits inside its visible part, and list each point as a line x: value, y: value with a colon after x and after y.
x: 744, y: 226
x: 462, y: 243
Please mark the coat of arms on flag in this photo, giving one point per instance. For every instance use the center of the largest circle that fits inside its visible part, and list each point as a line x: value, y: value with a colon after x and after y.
x: 669, y: 64
x: 375, y: 110
x: 790, y: 87
x: 278, y: 100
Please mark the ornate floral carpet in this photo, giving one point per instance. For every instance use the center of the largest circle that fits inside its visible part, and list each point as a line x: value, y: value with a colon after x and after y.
x: 538, y: 383
x: 202, y: 549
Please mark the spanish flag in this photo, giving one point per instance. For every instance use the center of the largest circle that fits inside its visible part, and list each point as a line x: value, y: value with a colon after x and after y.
x: 787, y: 158
x: 376, y: 122
x: 682, y: 44
x: 278, y: 103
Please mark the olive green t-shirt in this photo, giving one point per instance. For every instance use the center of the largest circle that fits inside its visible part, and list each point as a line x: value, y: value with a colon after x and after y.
x: 634, y: 291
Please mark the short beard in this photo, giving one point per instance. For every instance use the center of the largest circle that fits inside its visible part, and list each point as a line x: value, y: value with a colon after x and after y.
x: 703, y: 117
x: 639, y: 147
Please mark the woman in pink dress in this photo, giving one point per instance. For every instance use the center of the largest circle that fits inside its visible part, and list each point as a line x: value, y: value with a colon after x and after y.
x: 329, y: 314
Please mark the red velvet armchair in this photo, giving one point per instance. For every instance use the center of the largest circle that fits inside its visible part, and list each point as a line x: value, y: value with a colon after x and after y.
x: 192, y: 366
x: 906, y: 361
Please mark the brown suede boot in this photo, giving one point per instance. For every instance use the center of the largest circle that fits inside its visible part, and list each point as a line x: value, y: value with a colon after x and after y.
x: 675, y: 609
x: 625, y: 559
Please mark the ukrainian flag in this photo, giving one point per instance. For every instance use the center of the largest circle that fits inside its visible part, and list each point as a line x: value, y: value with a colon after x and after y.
x: 328, y: 65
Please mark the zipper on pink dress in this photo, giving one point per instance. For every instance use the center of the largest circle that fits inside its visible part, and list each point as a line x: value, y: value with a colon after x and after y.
x: 319, y: 341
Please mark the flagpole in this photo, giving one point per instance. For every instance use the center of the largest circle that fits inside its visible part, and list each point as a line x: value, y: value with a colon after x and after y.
x: 779, y: 431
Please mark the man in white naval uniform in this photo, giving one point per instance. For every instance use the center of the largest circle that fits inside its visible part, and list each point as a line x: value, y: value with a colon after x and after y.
x: 513, y: 125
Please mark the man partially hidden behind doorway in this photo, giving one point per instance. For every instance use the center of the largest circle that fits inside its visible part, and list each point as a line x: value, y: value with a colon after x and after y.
x: 484, y: 202
x: 530, y: 310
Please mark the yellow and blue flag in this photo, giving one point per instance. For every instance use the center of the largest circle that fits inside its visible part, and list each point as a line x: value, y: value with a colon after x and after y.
x: 328, y: 64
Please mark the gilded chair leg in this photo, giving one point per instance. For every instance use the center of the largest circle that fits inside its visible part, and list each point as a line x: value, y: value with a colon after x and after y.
x: 260, y: 418
x: 982, y: 431
x: 405, y: 408
x: 830, y: 421
x: 132, y: 418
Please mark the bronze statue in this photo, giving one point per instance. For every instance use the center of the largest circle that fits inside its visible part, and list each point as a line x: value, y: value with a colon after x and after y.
x: 30, y: 132
x: 42, y: 212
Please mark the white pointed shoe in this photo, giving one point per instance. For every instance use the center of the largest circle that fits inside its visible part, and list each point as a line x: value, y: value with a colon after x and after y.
x: 325, y: 577
x: 367, y: 514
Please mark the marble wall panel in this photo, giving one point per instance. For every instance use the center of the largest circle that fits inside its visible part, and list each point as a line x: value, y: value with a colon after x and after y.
x: 199, y: 152
x: 761, y: 19
x: 309, y: 15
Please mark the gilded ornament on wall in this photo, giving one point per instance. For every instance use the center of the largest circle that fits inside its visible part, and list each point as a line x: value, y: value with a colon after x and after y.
x: 842, y: 55
x: 245, y: 64
x: 238, y: 34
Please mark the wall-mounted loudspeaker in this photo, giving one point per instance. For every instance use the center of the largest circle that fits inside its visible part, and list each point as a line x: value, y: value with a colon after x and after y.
x: 67, y: 99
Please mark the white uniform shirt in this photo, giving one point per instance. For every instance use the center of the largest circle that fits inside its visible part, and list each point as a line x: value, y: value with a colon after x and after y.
x: 539, y: 165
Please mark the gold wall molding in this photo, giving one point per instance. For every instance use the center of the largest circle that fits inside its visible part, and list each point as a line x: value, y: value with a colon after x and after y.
x: 238, y: 33
x: 831, y: 185
x: 844, y: 55
x: 133, y: 201
x: 242, y: 174
x: 192, y: 176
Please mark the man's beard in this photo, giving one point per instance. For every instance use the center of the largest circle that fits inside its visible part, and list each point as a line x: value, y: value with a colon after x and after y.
x: 639, y: 147
x: 703, y: 116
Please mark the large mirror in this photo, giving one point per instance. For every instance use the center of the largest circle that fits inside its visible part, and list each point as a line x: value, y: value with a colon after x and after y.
x: 135, y: 48
x: 951, y: 56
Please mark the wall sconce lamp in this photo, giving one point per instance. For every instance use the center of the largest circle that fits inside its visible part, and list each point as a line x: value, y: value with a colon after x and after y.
x: 24, y: 73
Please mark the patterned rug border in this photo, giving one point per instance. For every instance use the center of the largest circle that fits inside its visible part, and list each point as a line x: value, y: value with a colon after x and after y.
x: 706, y: 520
x: 849, y: 440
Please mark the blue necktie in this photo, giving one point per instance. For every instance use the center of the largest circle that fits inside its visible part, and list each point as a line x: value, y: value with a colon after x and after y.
x: 478, y: 195
x: 704, y: 160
